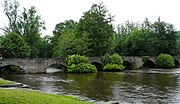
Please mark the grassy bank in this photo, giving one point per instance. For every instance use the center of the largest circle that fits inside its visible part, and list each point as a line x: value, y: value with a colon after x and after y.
x: 25, y: 96
x: 4, y: 82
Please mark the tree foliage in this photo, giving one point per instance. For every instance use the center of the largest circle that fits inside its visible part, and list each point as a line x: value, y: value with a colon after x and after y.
x: 99, y: 29
x: 14, y: 46
x: 149, y: 39
x: 64, y: 46
x: 11, y: 11
x: 30, y: 26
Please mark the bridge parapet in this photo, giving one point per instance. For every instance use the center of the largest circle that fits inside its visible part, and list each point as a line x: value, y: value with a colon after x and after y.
x: 96, y: 59
x: 32, y: 65
x: 39, y: 65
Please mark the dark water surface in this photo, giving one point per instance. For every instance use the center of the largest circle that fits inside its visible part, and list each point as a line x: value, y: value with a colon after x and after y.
x: 141, y: 86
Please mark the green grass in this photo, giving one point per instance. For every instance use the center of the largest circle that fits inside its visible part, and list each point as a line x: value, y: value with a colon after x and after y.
x: 25, y: 96
x: 4, y: 82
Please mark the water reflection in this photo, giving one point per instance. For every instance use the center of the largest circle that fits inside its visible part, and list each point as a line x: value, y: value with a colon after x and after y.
x: 162, y: 86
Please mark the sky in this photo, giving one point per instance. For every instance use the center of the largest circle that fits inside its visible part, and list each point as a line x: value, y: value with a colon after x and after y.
x: 56, y: 11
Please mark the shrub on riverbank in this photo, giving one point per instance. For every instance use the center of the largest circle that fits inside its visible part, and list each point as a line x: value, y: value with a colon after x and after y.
x: 113, y: 67
x: 113, y: 62
x: 24, y: 96
x: 80, y: 64
x: 165, y: 61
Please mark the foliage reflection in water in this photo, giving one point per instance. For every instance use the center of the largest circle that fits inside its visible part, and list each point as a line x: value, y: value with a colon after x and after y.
x: 127, y: 87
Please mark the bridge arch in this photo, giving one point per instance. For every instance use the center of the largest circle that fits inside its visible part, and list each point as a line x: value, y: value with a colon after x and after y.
x: 149, y: 64
x: 177, y: 63
x: 53, y: 68
x: 10, y: 69
x: 98, y: 65
x: 128, y: 65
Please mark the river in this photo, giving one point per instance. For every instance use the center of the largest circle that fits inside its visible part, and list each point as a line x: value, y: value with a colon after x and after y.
x: 138, y: 86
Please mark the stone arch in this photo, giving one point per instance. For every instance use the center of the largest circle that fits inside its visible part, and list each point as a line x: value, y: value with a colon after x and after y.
x: 56, y: 67
x: 98, y: 65
x: 11, y: 68
x: 128, y: 65
x: 149, y: 64
x: 177, y: 63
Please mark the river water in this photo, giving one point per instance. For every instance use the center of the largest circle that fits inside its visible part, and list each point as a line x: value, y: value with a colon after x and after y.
x: 139, y: 86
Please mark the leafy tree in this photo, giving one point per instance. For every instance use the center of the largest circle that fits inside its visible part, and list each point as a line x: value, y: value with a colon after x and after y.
x: 69, y: 44
x: 64, y: 48
x: 164, y: 37
x: 137, y: 43
x: 66, y: 25
x: 11, y: 11
x: 99, y: 29
x: 149, y: 39
x: 177, y: 50
x: 45, y: 47
x: 60, y: 28
x: 30, y: 26
x: 14, y: 46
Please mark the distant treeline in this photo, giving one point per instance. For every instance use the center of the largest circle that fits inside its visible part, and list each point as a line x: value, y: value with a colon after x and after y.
x: 92, y: 35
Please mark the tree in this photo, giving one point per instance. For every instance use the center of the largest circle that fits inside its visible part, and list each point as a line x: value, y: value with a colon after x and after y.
x: 137, y: 43
x: 59, y: 30
x: 164, y: 38
x: 149, y: 39
x: 68, y: 24
x: 11, y: 11
x: 14, y: 46
x: 64, y: 48
x: 30, y: 26
x: 69, y: 44
x: 99, y: 28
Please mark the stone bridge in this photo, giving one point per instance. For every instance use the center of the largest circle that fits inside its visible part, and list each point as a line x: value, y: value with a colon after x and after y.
x: 39, y: 65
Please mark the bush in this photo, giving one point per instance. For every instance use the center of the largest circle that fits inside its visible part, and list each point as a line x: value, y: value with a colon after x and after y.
x: 113, y: 62
x: 82, y: 68
x: 77, y: 59
x: 113, y: 67
x: 112, y: 59
x: 165, y: 61
x: 80, y: 64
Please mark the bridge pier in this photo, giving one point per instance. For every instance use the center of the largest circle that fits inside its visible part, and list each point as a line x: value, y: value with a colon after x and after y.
x: 39, y: 65
x: 34, y: 65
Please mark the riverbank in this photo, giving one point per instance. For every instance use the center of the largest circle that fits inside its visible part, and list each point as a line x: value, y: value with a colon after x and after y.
x: 4, y: 82
x: 27, y: 96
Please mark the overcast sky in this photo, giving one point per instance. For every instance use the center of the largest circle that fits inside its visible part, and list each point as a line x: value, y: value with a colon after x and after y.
x: 55, y: 11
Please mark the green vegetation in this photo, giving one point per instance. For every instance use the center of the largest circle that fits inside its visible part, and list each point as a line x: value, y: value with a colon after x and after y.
x: 147, y: 39
x: 145, y: 58
x: 165, y: 61
x: 113, y: 67
x: 100, y: 31
x: 92, y: 36
x: 113, y: 62
x: 80, y: 64
x: 4, y: 82
x: 13, y: 46
x: 24, y: 96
